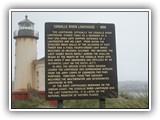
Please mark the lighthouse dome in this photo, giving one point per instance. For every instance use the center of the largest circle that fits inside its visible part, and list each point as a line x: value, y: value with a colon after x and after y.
x: 26, y: 29
x: 26, y: 24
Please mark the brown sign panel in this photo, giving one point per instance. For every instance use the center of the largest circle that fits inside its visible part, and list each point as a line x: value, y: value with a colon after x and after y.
x: 80, y: 61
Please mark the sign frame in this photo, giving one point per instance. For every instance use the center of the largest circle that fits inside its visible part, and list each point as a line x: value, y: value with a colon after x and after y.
x: 64, y: 26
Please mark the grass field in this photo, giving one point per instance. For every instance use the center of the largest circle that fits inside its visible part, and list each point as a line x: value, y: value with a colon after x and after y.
x: 123, y: 101
x: 31, y: 103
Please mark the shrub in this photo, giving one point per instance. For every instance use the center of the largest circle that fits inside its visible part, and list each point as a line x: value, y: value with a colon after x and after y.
x: 34, y: 102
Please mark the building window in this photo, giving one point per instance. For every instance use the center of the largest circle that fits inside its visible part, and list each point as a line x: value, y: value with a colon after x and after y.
x: 37, y: 73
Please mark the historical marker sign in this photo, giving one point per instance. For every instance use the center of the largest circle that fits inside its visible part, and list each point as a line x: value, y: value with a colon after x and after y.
x: 80, y: 61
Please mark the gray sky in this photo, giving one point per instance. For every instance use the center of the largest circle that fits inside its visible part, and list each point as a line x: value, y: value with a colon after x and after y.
x: 131, y: 37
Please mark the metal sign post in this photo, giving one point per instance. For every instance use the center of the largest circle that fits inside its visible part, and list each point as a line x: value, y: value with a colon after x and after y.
x: 101, y: 103
x: 60, y: 104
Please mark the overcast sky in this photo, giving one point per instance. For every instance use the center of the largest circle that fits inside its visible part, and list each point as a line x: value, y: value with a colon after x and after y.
x: 131, y: 37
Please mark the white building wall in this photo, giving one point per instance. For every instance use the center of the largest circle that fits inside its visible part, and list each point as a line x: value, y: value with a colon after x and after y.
x: 26, y: 53
x: 40, y: 75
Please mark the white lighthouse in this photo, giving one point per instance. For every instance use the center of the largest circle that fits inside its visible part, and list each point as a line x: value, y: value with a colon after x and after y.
x: 26, y: 53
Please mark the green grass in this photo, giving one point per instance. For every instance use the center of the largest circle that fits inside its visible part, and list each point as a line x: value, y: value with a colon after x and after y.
x: 127, y: 101
x: 122, y: 102
x: 31, y: 103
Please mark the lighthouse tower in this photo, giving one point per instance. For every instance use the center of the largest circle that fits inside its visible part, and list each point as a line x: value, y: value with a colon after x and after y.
x: 26, y: 52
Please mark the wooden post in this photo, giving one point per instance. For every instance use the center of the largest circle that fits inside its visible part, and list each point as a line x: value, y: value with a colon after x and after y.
x: 102, y: 103
x: 60, y: 104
